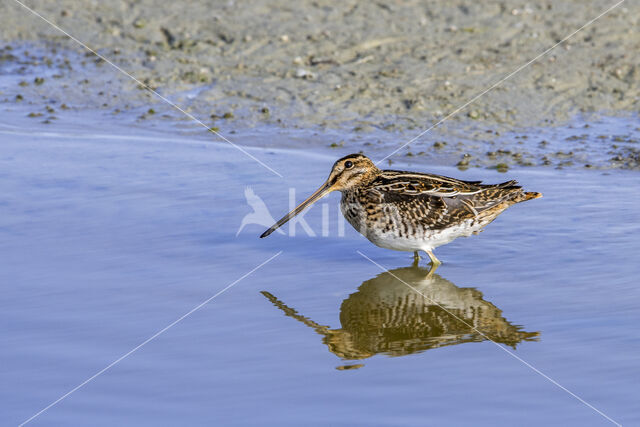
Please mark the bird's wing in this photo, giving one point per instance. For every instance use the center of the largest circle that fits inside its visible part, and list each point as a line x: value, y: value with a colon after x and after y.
x: 438, y: 201
x: 434, y: 212
x: 411, y: 183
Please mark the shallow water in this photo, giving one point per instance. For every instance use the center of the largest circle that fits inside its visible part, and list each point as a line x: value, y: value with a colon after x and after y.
x: 108, y: 235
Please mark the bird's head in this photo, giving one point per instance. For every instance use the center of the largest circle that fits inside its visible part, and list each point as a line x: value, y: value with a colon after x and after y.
x: 347, y: 173
x: 351, y: 171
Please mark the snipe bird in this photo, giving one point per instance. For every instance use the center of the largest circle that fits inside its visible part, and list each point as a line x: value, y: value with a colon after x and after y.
x: 411, y: 211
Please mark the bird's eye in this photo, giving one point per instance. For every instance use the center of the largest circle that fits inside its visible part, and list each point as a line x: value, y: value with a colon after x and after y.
x: 348, y: 164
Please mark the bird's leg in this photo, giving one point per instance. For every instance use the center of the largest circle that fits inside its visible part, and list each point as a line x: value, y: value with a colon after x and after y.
x: 416, y: 258
x: 435, y: 262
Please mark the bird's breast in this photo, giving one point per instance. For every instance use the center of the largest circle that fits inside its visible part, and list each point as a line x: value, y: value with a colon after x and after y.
x: 353, y: 210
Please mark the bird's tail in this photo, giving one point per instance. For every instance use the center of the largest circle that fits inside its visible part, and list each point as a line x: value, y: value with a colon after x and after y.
x: 515, y: 194
x: 522, y: 196
x: 532, y: 195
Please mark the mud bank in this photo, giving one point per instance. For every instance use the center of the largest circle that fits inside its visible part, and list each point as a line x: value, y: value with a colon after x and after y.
x: 379, y: 72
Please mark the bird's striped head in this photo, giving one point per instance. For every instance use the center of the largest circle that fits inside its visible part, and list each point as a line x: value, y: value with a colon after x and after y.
x: 351, y: 171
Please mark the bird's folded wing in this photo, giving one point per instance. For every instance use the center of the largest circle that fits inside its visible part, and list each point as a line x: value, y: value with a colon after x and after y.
x: 435, y: 185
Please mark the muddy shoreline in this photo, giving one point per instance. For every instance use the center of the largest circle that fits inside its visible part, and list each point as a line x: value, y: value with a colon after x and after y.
x: 380, y: 73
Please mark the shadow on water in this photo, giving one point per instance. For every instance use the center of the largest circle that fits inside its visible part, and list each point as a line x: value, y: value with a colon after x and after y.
x: 410, y: 310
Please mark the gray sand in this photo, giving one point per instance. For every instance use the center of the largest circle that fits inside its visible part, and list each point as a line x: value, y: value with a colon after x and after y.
x: 392, y: 67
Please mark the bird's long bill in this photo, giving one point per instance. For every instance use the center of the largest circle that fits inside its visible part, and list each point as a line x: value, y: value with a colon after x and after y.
x: 319, y: 193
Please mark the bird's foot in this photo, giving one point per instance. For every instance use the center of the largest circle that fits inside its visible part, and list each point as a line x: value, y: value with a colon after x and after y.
x: 433, y: 265
x: 435, y: 262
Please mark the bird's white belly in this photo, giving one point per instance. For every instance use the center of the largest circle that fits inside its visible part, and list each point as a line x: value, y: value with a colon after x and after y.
x: 420, y: 240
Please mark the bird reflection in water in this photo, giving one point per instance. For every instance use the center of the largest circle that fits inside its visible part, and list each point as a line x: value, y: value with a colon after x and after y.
x: 410, y: 310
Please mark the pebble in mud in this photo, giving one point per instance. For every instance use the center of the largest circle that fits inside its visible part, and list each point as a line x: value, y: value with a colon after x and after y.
x: 301, y: 73
x: 140, y: 23
x: 501, y: 167
x: 228, y: 115
x: 439, y: 144
x: 463, y: 164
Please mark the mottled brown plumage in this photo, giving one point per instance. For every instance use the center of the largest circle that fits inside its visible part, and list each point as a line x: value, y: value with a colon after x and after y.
x: 410, y: 211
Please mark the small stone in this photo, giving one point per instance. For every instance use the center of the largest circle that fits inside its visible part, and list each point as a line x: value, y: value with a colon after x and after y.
x: 501, y: 167
x: 38, y: 81
x: 301, y: 73
x: 139, y: 23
